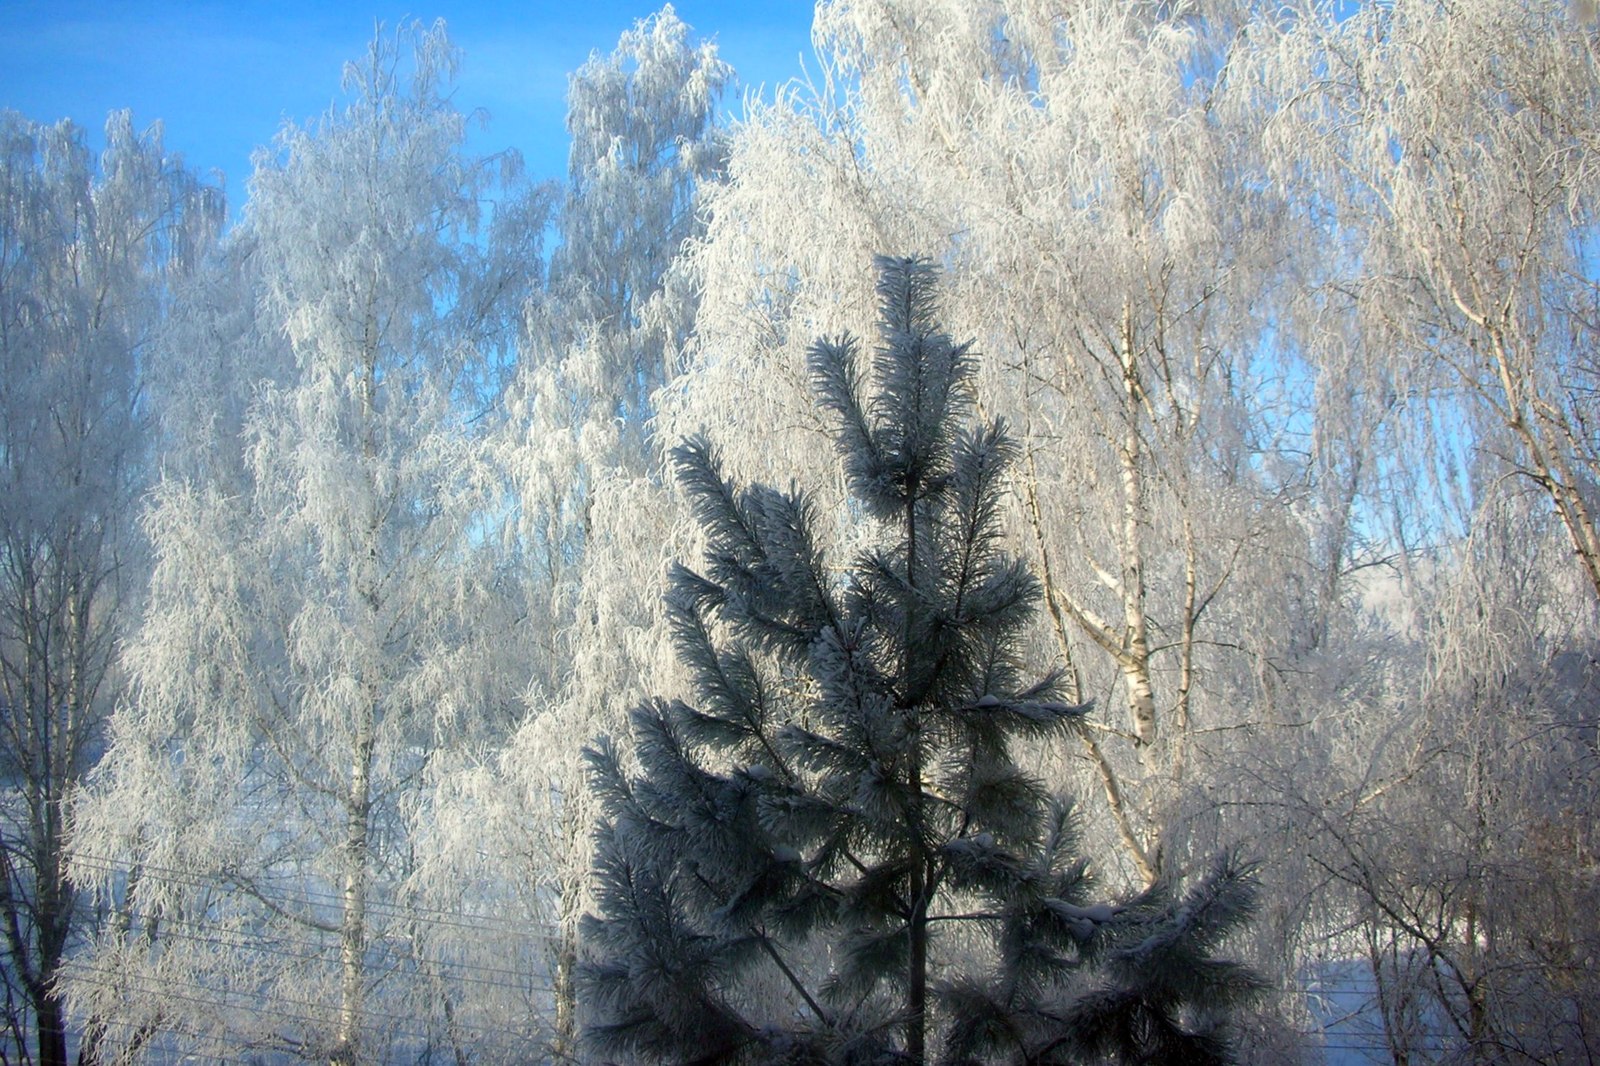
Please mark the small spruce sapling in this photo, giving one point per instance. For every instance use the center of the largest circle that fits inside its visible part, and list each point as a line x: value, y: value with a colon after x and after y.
x: 833, y: 856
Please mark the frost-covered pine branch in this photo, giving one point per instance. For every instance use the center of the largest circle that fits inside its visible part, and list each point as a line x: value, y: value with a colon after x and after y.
x: 832, y: 854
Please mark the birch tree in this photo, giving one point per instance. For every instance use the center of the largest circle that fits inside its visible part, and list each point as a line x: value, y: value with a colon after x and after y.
x: 90, y: 254
x: 1445, y: 154
x: 317, y: 633
x: 592, y: 521
x: 605, y: 333
x: 1443, y: 831
x: 1456, y: 146
x: 643, y: 140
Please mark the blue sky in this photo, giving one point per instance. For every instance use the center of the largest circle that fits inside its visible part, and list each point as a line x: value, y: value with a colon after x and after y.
x: 222, y: 77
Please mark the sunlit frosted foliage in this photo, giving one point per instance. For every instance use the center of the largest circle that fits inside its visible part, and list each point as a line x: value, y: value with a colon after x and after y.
x: 590, y: 526
x: 642, y: 142
x: 322, y: 621
x: 1456, y: 149
x: 1445, y: 156
x: 1290, y: 311
x: 92, y: 252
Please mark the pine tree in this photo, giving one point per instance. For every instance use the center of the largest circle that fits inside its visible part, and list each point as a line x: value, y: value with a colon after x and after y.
x: 835, y: 856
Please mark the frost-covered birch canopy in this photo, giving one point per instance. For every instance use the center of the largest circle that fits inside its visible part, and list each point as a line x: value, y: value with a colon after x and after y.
x: 90, y: 253
x: 321, y: 630
x: 1259, y: 517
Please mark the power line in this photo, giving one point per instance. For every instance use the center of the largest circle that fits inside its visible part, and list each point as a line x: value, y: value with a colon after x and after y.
x: 266, y: 1006
x: 275, y: 1007
x: 209, y: 935
x: 304, y: 896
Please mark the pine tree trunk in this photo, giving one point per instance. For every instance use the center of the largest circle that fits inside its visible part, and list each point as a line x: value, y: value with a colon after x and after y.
x: 917, y: 929
x: 920, y: 888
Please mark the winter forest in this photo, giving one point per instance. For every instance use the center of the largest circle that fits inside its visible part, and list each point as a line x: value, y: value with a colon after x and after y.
x: 1069, y: 534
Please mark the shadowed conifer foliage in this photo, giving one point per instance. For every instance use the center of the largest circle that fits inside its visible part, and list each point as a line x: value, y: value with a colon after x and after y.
x: 834, y: 855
